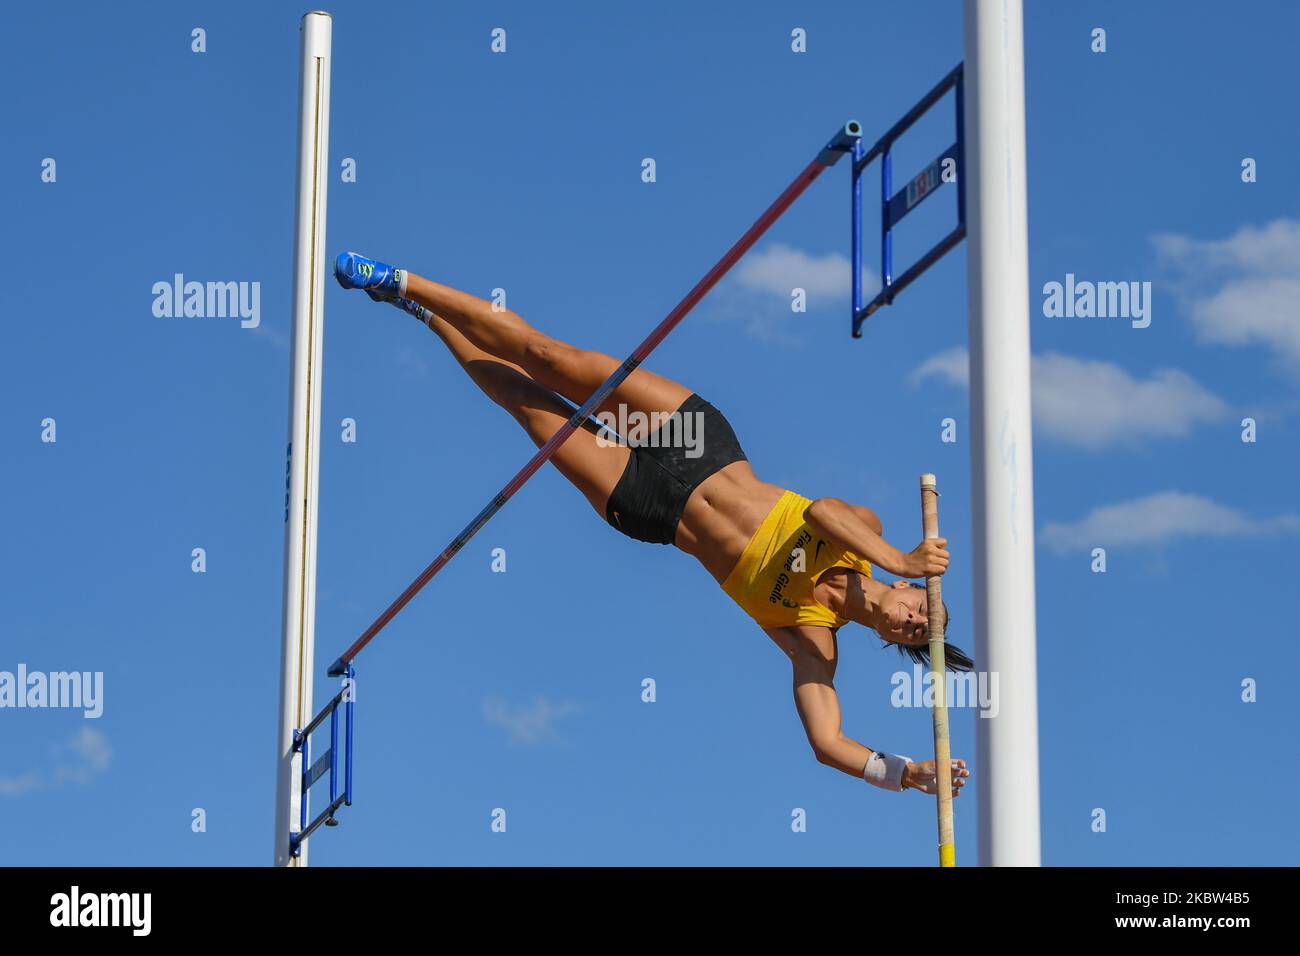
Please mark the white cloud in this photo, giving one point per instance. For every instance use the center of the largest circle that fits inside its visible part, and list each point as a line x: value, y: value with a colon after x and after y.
x: 1093, y: 404
x: 1157, y: 519
x: 951, y: 367
x: 1263, y: 310
x: 1242, y: 290
x: 526, y: 725
x: 90, y: 756
x: 1273, y: 249
x: 757, y: 293
x: 265, y: 330
x: 17, y: 786
x: 778, y: 268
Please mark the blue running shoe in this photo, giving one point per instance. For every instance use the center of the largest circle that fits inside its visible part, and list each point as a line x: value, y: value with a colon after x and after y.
x: 377, y: 279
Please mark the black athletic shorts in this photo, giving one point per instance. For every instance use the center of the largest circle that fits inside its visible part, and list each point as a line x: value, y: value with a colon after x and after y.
x: 661, y: 473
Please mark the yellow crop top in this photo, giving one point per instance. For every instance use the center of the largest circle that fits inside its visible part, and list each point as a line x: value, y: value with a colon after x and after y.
x: 774, y: 579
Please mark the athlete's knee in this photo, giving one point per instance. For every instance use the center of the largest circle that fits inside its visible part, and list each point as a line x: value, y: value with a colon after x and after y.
x: 545, y: 355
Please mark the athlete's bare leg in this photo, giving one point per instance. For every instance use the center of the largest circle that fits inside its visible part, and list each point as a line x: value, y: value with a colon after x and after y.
x: 516, y: 365
x: 572, y: 372
x: 593, y: 468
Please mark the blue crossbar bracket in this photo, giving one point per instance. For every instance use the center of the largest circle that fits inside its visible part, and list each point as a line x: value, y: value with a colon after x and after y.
x: 845, y: 141
x: 895, y: 205
x: 328, y: 762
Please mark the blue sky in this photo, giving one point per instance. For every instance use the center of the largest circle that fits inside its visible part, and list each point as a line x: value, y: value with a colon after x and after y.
x: 522, y: 171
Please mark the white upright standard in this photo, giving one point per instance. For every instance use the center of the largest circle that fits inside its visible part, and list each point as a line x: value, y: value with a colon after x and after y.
x: 1002, y: 491
x: 297, y: 659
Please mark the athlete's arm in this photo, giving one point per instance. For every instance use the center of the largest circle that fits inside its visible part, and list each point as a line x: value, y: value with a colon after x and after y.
x: 812, y: 654
x: 848, y: 529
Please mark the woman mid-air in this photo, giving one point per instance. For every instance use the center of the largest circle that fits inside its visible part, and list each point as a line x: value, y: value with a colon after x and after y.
x: 801, y: 569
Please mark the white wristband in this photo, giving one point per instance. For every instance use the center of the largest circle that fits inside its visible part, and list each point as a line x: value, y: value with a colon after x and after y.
x: 885, y: 771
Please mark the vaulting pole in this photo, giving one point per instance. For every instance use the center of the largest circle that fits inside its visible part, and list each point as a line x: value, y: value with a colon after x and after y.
x: 1002, y: 477
x: 938, y: 677
x: 842, y: 142
x: 298, y: 636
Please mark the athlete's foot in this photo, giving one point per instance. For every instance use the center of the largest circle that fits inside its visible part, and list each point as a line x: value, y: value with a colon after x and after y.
x: 377, y: 279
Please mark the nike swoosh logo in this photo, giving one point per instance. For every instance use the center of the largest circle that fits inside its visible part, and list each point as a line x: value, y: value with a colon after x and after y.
x: 617, y: 520
x: 820, y: 542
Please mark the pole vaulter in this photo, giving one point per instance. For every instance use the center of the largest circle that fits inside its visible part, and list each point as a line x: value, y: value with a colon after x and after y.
x: 840, y: 144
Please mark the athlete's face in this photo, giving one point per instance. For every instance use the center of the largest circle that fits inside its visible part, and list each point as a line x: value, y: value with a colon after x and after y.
x: 905, y: 614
